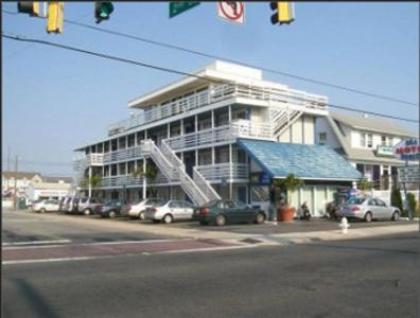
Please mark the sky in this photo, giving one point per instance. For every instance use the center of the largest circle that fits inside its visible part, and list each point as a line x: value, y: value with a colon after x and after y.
x: 55, y: 100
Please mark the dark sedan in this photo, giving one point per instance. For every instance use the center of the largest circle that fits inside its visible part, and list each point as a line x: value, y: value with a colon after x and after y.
x: 220, y: 212
x: 110, y: 209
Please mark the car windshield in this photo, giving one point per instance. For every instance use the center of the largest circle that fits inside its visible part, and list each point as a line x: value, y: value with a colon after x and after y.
x: 356, y: 200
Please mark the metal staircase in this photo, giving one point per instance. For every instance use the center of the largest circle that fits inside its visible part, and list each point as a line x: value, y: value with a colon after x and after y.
x: 199, y: 190
x: 283, y: 118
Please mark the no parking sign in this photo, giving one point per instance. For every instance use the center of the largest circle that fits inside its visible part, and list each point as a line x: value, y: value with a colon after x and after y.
x: 233, y: 11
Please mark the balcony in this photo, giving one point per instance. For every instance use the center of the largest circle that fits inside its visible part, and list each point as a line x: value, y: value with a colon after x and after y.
x: 130, y: 181
x: 221, y: 135
x: 230, y: 171
x: 216, y: 94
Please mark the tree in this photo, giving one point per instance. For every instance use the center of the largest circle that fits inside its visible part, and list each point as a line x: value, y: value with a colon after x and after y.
x: 364, y: 184
x: 290, y: 183
x: 412, y: 203
x: 94, y: 181
x: 150, y: 174
x: 396, y: 199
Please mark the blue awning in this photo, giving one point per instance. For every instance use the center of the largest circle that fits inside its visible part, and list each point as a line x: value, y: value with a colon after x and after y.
x: 304, y: 161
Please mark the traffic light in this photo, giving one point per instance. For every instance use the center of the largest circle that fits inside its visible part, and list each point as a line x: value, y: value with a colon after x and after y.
x: 103, y: 10
x: 29, y: 7
x: 283, y: 12
x: 55, y: 18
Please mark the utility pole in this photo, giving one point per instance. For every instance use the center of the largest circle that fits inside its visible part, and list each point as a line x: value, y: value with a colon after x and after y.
x: 15, y: 192
x: 8, y: 158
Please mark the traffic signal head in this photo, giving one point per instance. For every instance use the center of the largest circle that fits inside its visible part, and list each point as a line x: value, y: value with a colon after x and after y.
x: 283, y: 12
x: 29, y: 7
x: 103, y: 10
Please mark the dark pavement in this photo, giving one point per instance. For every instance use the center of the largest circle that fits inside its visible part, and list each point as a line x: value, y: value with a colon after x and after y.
x: 358, y: 278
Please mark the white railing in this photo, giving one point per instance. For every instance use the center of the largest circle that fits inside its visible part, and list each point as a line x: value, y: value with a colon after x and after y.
x: 205, y: 186
x: 174, y: 169
x: 218, y: 171
x: 221, y: 134
x: 119, y: 181
x: 216, y: 94
x: 149, y: 148
x: 199, y: 193
x: 95, y: 159
x: 123, y: 154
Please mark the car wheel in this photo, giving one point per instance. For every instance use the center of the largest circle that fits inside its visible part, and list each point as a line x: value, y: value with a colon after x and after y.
x: 396, y: 216
x: 87, y: 212
x: 368, y: 217
x: 260, y: 218
x: 43, y: 210
x: 141, y: 216
x: 220, y: 220
x: 167, y: 218
x: 112, y: 214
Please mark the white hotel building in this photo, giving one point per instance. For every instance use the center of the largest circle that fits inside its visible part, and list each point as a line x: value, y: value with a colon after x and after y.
x: 225, y: 133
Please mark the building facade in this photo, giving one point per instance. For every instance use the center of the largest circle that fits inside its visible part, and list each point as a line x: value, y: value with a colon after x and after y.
x: 367, y: 143
x: 184, y: 141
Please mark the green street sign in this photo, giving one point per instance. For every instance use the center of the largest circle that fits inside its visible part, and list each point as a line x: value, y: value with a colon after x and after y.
x: 177, y: 7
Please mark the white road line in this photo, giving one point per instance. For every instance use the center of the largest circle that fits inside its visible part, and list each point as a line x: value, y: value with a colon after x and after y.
x: 9, y: 248
x: 35, y: 242
x: 207, y: 249
x: 49, y: 260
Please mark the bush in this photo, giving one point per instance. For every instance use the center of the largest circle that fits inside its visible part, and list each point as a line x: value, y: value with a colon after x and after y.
x: 412, y: 204
x: 396, y: 199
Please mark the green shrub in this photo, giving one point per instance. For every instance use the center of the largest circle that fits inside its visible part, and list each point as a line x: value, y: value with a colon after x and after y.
x: 396, y: 199
x: 412, y: 204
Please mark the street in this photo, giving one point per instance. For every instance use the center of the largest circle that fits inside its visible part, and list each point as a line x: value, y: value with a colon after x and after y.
x: 363, y: 278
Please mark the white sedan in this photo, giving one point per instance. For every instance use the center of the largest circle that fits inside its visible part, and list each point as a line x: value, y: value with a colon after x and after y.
x: 137, y: 210
x: 45, y: 206
x: 170, y: 211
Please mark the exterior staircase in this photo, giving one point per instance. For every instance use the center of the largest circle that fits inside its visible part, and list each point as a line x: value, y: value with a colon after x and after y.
x: 198, y: 189
x: 282, y: 119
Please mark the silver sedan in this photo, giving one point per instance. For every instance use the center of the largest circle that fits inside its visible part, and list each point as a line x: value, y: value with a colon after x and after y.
x: 368, y: 208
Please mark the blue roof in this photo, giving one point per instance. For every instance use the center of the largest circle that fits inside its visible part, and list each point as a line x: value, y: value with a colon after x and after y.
x: 304, y: 161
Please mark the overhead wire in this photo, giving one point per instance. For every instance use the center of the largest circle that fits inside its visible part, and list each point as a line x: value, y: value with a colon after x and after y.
x: 213, y: 56
x: 173, y: 71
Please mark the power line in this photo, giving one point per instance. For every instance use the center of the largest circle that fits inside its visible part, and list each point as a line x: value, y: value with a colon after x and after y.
x: 169, y: 70
x: 213, y: 56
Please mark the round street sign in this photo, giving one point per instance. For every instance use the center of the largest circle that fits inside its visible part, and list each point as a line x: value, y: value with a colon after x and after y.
x: 233, y: 11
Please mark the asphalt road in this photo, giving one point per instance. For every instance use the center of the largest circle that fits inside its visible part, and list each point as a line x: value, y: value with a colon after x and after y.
x: 358, y: 278
x: 22, y: 226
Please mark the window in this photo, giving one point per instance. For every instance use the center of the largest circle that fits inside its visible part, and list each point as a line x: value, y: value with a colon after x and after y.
x: 322, y: 138
x: 369, y: 141
x: 383, y: 140
x: 362, y: 140
x: 390, y: 141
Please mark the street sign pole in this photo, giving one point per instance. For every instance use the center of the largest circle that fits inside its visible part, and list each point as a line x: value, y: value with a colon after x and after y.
x: 406, y: 204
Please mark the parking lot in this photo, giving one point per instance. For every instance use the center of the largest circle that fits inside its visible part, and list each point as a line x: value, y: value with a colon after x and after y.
x: 315, y: 224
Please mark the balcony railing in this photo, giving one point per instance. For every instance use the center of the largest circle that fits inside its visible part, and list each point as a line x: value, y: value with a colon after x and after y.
x: 221, y: 134
x: 120, y: 181
x: 219, y: 171
x: 216, y: 94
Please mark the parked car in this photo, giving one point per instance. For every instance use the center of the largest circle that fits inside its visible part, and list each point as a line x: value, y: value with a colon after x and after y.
x: 110, y: 208
x: 368, y: 208
x: 45, y: 206
x: 138, y: 210
x: 220, y: 212
x: 170, y: 211
x: 62, y: 203
x: 71, y: 207
x: 88, y: 205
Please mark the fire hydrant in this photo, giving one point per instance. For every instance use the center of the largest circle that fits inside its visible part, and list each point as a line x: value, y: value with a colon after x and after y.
x: 344, y: 224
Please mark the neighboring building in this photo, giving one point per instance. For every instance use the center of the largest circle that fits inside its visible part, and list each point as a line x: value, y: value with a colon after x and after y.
x: 23, y: 180
x: 196, y: 134
x: 367, y: 143
x: 47, y: 190
x: 34, y: 186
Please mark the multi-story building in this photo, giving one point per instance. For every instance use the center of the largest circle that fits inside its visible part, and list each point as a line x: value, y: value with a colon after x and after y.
x: 366, y: 142
x: 222, y: 133
x: 22, y: 180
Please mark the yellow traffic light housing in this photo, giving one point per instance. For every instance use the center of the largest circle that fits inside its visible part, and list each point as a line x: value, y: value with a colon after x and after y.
x: 55, y: 18
x: 29, y: 7
x: 283, y: 12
